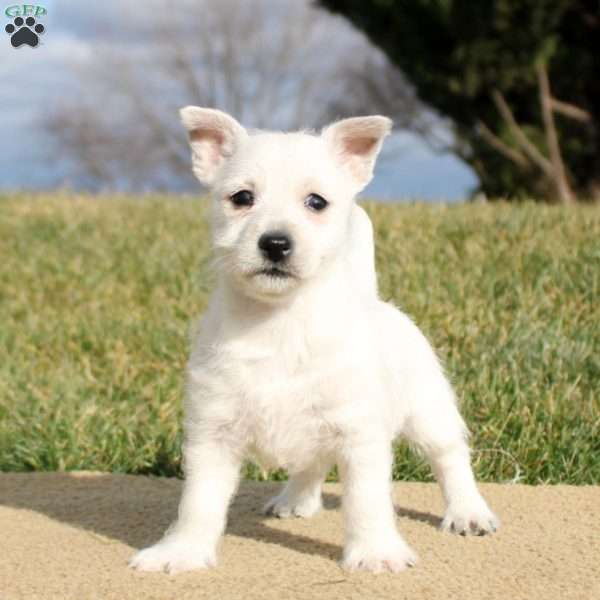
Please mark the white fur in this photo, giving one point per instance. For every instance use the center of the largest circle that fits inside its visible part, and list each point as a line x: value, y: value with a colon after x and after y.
x: 312, y: 370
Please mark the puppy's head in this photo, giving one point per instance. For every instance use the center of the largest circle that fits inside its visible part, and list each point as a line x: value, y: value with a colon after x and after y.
x: 281, y: 201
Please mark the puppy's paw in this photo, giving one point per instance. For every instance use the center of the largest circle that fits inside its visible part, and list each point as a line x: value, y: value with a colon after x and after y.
x: 470, y: 518
x: 174, y: 556
x: 285, y: 506
x: 391, y: 555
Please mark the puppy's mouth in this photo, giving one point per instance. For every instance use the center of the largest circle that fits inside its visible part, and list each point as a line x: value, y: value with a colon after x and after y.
x: 274, y: 272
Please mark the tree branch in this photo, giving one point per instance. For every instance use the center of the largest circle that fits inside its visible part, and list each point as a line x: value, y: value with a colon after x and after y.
x: 570, y: 110
x: 495, y: 142
x: 522, y: 140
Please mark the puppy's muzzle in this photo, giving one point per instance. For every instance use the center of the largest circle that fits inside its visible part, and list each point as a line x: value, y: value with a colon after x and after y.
x: 275, y: 246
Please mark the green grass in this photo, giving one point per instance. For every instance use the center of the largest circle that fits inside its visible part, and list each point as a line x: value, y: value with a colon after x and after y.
x: 97, y: 296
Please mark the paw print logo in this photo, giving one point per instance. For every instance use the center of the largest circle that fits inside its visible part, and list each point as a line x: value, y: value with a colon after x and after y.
x: 24, y: 32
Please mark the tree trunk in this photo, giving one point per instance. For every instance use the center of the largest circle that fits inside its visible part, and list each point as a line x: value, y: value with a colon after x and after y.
x: 561, y: 182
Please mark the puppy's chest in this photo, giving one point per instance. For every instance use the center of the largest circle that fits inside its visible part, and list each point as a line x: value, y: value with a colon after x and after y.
x: 286, y: 393
x: 287, y: 407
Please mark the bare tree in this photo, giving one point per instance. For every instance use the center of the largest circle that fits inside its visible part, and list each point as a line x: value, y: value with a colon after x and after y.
x: 272, y: 63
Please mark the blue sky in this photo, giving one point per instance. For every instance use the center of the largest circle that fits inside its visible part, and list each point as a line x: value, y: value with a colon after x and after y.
x: 34, y: 78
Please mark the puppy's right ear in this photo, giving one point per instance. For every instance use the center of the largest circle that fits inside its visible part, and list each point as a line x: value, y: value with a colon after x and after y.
x: 214, y: 136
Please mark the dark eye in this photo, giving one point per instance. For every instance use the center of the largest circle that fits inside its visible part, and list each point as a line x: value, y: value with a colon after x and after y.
x: 316, y: 202
x: 243, y: 198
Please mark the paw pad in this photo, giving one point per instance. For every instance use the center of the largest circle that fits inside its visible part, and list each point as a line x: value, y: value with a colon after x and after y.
x: 24, y: 31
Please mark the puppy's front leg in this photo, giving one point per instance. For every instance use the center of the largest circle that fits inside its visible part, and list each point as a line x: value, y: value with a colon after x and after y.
x: 212, y: 473
x: 372, y: 540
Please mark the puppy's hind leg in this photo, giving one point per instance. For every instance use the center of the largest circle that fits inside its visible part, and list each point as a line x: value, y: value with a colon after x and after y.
x: 301, y: 495
x: 436, y: 427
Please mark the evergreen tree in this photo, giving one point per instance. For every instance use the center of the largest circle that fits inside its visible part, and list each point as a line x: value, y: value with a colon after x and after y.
x: 519, y: 80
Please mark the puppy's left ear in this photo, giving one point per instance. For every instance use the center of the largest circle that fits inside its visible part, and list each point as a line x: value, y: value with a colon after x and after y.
x: 214, y: 137
x: 356, y: 142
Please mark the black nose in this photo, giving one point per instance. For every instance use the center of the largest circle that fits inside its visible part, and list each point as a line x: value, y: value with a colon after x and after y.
x: 275, y: 245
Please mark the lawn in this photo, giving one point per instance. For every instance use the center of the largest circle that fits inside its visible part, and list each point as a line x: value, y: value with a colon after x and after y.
x: 97, y: 296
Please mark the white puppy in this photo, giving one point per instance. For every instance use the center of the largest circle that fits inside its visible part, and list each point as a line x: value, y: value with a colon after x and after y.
x: 298, y: 363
